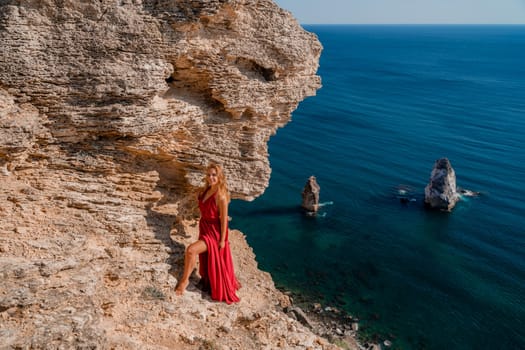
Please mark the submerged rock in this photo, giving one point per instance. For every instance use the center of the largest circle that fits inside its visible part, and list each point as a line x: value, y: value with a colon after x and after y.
x: 311, y: 195
x: 463, y: 192
x: 441, y: 191
x: 405, y: 194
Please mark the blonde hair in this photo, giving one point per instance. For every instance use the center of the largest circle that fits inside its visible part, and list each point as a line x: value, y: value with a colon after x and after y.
x: 222, y: 186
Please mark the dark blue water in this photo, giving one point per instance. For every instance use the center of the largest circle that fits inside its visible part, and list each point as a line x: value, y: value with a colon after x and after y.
x: 395, y: 99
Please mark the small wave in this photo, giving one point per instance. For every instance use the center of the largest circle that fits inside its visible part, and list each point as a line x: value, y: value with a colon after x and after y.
x: 465, y: 194
x: 316, y: 214
x: 324, y: 204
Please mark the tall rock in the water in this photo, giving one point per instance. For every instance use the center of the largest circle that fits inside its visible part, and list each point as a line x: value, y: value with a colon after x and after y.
x: 311, y: 195
x: 441, y: 193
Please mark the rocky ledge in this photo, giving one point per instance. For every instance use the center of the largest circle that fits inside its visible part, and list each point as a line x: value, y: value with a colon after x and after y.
x: 109, y: 111
x: 68, y: 286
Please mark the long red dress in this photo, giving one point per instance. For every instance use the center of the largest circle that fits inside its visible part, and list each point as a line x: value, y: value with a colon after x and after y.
x: 215, y: 266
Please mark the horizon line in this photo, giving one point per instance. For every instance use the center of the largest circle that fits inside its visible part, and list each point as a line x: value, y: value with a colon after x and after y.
x: 416, y: 24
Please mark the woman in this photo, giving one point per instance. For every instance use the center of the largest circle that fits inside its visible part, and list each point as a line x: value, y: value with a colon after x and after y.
x: 212, y: 247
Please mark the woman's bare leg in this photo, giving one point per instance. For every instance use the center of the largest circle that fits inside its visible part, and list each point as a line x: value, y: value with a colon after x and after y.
x: 190, y: 259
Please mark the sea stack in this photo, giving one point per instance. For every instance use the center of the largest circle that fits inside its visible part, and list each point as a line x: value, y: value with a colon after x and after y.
x: 311, y: 195
x: 441, y: 192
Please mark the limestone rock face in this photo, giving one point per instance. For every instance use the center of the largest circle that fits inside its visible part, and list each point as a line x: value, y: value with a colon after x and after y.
x: 311, y: 195
x: 109, y: 113
x: 186, y: 81
x: 441, y: 192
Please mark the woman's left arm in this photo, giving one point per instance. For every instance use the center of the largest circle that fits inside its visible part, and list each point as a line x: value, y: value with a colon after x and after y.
x: 223, y: 212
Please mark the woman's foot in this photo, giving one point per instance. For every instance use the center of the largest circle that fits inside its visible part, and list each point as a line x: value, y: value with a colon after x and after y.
x: 181, y: 287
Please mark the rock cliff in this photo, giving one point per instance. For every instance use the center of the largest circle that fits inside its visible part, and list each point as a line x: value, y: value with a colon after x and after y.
x: 177, y: 81
x: 109, y: 111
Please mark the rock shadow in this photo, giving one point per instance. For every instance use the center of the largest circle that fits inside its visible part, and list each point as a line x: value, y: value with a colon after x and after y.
x: 105, y: 156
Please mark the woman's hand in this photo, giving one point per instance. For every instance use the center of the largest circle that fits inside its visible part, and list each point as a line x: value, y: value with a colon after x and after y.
x: 221, y: 244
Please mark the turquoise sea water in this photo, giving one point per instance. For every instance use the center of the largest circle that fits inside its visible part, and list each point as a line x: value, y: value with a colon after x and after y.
x: 395, y: 99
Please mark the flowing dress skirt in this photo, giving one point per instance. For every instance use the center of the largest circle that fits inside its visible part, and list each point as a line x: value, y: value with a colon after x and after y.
x: 216, y: 265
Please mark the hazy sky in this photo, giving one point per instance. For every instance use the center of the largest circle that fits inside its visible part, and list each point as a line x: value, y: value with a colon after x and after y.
x: 407, y: 11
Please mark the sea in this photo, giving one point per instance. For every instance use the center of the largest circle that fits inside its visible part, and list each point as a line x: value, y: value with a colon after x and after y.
x: 396, y: 98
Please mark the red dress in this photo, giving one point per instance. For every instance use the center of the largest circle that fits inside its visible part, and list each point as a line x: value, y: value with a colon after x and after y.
x: 215, y: 266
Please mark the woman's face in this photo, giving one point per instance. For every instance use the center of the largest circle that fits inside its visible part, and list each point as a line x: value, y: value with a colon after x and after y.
x: 212, y: 177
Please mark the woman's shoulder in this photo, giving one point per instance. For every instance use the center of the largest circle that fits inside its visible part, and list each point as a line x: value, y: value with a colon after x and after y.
x: 222, y: 197
x: 219, y: 197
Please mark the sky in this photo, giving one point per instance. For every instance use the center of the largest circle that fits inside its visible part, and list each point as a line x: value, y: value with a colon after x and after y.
x: 406, y: 11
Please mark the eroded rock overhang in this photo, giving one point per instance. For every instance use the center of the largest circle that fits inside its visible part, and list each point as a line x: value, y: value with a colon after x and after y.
x: 158, y: 85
